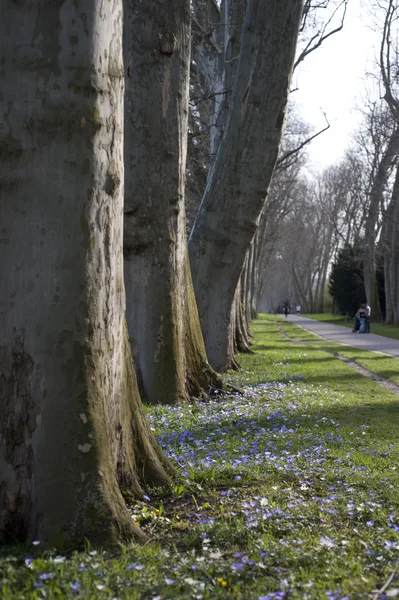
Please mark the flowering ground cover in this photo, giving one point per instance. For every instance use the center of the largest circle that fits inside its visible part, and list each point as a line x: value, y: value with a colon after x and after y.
x: 289, y: 490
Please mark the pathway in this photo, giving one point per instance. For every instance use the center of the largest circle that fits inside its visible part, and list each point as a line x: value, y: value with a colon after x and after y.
x: 344, y: 335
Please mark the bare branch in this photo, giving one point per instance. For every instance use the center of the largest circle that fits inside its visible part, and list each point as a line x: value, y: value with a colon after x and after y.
x: 290, y: 153
x: 322, y: 35
x: 385, y: 59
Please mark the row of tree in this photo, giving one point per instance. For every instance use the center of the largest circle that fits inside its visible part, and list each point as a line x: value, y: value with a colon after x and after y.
x: 100, y: 104
x: 93, y: 143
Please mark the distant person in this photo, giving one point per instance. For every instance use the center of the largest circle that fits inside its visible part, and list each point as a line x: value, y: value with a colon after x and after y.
x: 298, y: 309
x: 356, y: 318
x: 367, y: 318
x: 362, y: 317
x: 286, y: 310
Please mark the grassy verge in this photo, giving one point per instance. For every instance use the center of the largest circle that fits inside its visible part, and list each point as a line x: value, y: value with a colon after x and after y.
x: 291, y: 492
x: 378, y: 328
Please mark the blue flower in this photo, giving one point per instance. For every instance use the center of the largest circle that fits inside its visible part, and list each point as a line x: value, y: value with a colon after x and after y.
x: 237, y: 566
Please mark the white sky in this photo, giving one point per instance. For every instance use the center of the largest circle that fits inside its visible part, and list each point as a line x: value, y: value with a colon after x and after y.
x: 332, y: 79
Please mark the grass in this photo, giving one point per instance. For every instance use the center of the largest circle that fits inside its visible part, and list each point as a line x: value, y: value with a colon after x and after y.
x: 378, y: 328
x: 379, y: 364
x: 291, y: 491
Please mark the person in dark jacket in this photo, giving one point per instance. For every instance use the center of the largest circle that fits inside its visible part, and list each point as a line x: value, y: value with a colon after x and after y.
x: 362, y: 317
x: 356, y: 326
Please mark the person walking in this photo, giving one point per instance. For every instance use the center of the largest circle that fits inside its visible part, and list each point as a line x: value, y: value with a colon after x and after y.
x: 286, y: 310
x: 367, y: 311
x: 298, y: 309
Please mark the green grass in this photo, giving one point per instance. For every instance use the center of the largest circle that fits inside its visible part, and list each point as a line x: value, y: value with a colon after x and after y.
x: 378, y: 328
x: 379, y: 364
x: 291, y: 491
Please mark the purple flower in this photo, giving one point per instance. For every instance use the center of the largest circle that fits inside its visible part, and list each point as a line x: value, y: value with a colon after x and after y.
x: 237, y: 566
x: 336, y: 596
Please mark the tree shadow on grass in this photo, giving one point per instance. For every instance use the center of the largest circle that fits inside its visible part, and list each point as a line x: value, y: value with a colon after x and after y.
x: 382, y: 416
x: 299, y: 359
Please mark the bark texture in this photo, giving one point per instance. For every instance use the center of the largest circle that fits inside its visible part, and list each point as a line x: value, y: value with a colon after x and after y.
x: 72, y: 429
x: 390, y: 248
x: 376, y: 195
x: 240, y: 176
x: 162, y: 316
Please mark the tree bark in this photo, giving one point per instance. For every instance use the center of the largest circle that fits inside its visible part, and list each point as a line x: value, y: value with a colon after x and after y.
x: 390, y: 246
x: 375, y: 203
x: 162, y: 316
x: 72, y: 429
x: 242, y: 341
x: 240, y: 176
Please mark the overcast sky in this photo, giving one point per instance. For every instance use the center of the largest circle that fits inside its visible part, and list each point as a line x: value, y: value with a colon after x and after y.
x: 332, y: 80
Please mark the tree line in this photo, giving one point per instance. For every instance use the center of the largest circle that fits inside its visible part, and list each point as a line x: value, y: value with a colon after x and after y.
x: 347, y: 215
x: 105, y: 300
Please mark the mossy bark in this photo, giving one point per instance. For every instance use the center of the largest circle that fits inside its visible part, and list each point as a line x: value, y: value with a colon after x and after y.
x: 390, y: 248
x: 162, y: 318
x: 239, y: 179
x: 72, y: 430
x: 242, y: 342
x: 378, y: 187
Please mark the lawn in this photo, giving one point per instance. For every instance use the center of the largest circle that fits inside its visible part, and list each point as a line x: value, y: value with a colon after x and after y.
x: 377, y: 328
x: 289, y: 490
x: 381, y: 365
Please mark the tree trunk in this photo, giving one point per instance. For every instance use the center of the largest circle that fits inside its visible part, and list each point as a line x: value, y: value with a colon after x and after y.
x: 375, y: 203
x: 72, y: 429
x: 390, y: 245
x: 162, y: 316
x: 241, y: 323
x: 241, y: 174
x: 232, y: 17
x: 239, y: 337
x: 255, y: 276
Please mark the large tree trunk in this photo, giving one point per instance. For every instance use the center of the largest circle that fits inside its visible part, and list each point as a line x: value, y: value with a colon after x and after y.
x: 375, y: 204
x: 232, y: 18
x: 390, y: 246
x: 162, y: 316
x: 240, y: 323
x: 72, y: 429
x: 255, y: 276
x: 240, y: 176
